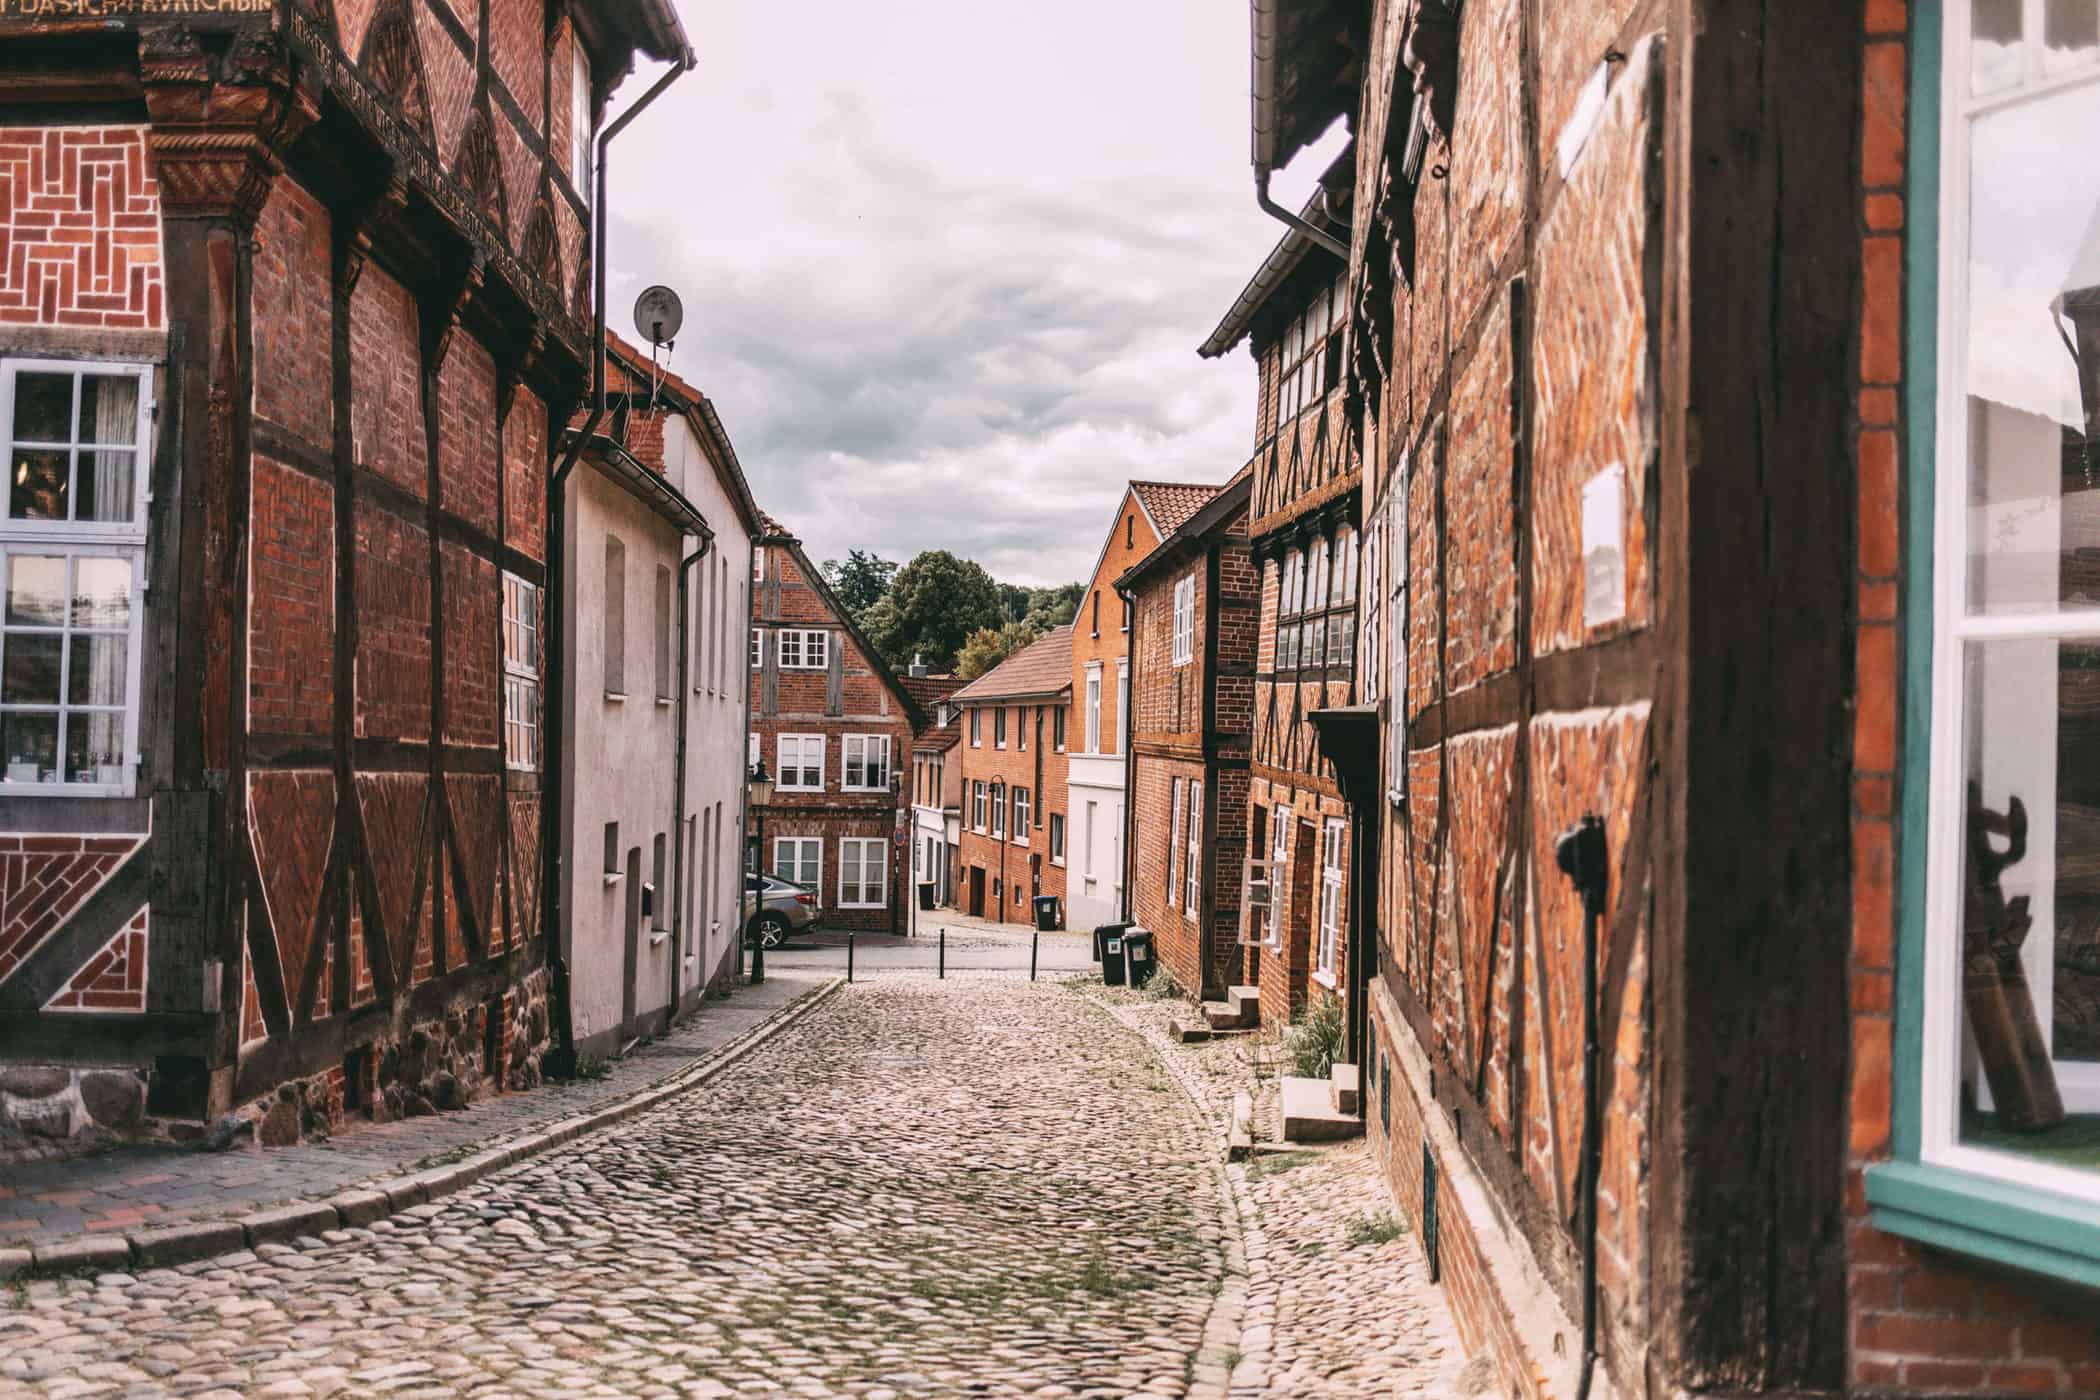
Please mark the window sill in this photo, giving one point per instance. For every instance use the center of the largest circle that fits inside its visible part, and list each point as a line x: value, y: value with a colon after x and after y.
x: 1324, y: 978
x: 664, y: 701
x: 615, y: 697
x: 861, y: 906
x: 657, y: 937
x: 2021, y: 1227
x: 612, y: 877
x: 779, y: 789
x: 1058, y: 861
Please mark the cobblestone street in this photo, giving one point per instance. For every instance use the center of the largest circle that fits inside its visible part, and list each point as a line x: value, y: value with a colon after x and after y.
x: 978, y: 1187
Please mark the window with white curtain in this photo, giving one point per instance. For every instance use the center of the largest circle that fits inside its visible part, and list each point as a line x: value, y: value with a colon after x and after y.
x: 801, y: 763
x: 1192, y: 864
x: 799, y: 860
x: 1024, y: 814
x: 521, y: 673
x: 1185, y: 619
x: 867, y: 762
x: 864, y: 869
x: 1093, y: 709
x: 72, y: 564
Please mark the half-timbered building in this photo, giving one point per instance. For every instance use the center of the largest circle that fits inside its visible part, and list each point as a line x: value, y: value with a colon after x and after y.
x: 289, y: 296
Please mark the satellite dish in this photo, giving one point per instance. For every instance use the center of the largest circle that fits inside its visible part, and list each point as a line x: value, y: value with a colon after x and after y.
x: 658, y: 314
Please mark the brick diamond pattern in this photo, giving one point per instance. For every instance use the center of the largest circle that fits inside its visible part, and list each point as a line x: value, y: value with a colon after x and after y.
x: 115, y: 978
x: 43, y: 879
x: 80, y: 240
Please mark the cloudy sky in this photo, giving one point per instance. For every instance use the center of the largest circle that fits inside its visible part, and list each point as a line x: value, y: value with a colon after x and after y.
x: 946, y: 263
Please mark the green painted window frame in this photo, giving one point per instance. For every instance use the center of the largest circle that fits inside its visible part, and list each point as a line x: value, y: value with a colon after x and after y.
x: 2020, y: 1227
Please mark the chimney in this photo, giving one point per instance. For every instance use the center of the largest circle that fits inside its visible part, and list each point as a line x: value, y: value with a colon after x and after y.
x: 918, y: 665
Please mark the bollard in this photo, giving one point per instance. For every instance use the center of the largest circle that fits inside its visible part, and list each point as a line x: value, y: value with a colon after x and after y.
x: 851, y: 938
x: 944, y: 951
x: 758, y: 960
x: 1033, y: 944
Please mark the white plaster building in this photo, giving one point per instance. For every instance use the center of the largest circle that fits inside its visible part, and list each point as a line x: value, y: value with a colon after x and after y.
x: 658, y: 525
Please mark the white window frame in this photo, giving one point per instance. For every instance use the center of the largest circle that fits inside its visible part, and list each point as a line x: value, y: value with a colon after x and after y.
x: 866, y: 744
x: 1023, y: 803
x: 803, y: 648
x: 867, y: 853
x: 1093, y: 707
x: 801, y: 743
x: 1057, y: 838
x: 580, y: 132
x: 1123, y: 705
x: 1281, y: 819
x: 976, y: 727
x: 758, y: 648
x: 999, y: 727
x: 1955, y: 629
x: 75, y: 539
x: 1192, y: 861
x: 1185, y: 618
x: 809, y: 846
x: 998, y: 808
x: 521, y: 674
x: 1330, y: 900
x: 1174, y: 845
x: 978, y: 801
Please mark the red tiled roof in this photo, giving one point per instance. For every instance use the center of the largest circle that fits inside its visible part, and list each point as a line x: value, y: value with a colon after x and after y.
x: 1172, y: 503
x: 1041, y: 668
x: 772, y: 526
x: 930, y: 690
x: 939, y: 740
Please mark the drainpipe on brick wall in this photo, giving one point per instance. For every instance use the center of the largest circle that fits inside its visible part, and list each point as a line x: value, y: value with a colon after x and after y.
x: 1130, y: 764
x: 678, y: 859
x: 561, y: 1061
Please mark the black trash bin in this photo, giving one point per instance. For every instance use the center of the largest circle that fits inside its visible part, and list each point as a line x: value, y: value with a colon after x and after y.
x: 1045, y: 912
x: 1138, y: 959
x: 1104, y: 932
x: 926, y: 894
x: 1112, y: 967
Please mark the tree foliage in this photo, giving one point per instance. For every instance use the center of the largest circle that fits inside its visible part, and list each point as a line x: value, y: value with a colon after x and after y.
x: 933, y: 605
x: 860, y: 579
x: 988, y: 647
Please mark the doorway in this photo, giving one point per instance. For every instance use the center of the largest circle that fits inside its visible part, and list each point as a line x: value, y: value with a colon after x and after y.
x: 976, y: 904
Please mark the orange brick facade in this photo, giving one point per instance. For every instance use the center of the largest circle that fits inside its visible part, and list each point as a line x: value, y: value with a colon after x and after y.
x: 1009, y: 870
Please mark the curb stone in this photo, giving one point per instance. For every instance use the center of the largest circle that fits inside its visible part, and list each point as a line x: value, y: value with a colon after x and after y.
x: 375, y: 1201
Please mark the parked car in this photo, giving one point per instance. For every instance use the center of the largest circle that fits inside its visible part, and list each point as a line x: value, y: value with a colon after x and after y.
x: 780, y: 908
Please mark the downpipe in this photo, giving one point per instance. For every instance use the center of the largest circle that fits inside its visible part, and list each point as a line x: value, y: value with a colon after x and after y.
x: 1277, y: 211
x: 684, y: 703
x: 560, y: 1063
x: 1584, y: 858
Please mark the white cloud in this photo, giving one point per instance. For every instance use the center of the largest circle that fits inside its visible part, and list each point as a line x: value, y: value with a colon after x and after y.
x: 946, y: 266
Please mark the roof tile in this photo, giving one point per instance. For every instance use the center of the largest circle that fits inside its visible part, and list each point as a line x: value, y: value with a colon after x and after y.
x: 1041, y: 668
x: 1172, y: 503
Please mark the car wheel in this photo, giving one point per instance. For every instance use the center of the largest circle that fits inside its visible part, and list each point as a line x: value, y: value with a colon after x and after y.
x: 769, y: 931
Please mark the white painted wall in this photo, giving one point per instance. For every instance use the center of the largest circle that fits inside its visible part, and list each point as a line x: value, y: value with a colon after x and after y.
x: 622, y: 752
x: 1093, y: 871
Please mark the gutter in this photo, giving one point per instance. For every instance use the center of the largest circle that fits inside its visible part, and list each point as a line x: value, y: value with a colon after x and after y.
x: 560, y: 1062
x: 1267, y: 45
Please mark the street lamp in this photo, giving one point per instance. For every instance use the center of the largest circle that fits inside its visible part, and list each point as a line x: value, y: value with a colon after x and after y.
x: 758, y: 791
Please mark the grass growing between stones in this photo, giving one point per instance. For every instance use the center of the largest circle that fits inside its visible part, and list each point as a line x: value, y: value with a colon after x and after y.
x: 1382, y: 1228
x: 1273, y: 1163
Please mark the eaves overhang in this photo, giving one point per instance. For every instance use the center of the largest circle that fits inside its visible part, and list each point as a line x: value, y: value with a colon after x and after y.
x: 625, y: 470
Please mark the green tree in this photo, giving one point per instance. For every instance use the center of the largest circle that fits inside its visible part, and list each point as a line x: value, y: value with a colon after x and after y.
x: 860, y: 579
x: 1051, y: 608
x: 934, y: 604
x: 1015, y: 599
x: 987, y: 647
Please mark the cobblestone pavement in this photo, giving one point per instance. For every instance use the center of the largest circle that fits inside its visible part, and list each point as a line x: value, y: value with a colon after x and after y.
x: 978, y: 1187
x: 974, y: 945
x: 1321, y: 1241
x: 151, y: 1186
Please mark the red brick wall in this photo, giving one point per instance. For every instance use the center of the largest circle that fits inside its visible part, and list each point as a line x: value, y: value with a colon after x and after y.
x: 80, y: 237
x: 469, y: 458
x: 525, y: 475
x: 393, y: 620
x: 291, y: 641
x: 294, y: 388
x: 1175, y: 937
x: 517, y: 50
x: 473, y: 648
x: 386, y: 393
x: 867, y: 706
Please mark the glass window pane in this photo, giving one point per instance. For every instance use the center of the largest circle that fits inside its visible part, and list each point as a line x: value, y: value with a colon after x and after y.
x: 2033, y: 361
x: 2070, y: 34
x: 37, y: 491
x: 101, y: 592
x: 94, y: 667
x: 29, y: 672
x: 30, y: 744
x: 94, y: 748
x: 1994, y: 44
x: 43, y: 407
x: 107, y: 487
x: 109, y: 409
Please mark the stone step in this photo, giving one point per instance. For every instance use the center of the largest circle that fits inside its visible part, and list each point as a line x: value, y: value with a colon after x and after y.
x: 1222, y: 1015
x: 1189, y: 1032
x: 1239, y: 1137
x: 1247, y: 1001
x: 1308, y: 1116
x: 1345, y: 1089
